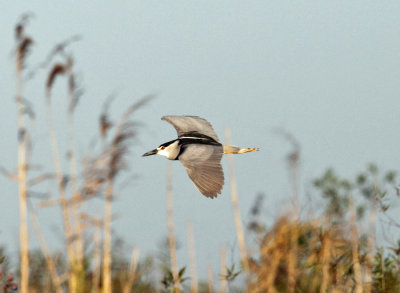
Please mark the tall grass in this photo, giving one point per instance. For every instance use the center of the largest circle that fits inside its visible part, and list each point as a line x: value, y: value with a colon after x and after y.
x: 24, y: 43
x: 171, y: 233
x: 59, y: 69
x: 293, y: 160
x: 192, y: 257
x: 301, y: 251
x: 236, y: 211
x: 73, y: 189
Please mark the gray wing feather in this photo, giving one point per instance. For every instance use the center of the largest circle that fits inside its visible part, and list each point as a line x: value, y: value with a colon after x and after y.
x: 184, y: 124
x: 203, y: 165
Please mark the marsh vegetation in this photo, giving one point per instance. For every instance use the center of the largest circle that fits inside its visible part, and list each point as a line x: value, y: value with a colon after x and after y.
x: 332, y: 248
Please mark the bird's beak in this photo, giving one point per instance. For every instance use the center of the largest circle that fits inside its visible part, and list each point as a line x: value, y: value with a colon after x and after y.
x: 153, y: 152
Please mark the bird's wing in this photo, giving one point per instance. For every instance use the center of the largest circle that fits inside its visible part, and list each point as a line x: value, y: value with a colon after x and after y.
x: 203, y: 165
x: 185, y: 124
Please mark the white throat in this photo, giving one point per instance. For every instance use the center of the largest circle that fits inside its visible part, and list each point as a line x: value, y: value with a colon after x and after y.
x: 170, y: 152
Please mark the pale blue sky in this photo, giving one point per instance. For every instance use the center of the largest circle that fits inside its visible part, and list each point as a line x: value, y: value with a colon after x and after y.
x: 327, y: 71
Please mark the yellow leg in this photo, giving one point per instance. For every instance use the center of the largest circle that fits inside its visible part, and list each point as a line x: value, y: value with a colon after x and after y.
x: 247, y: 150
x: 230, y: 149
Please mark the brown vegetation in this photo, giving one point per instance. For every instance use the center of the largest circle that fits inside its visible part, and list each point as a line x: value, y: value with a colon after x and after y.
x: 330, y: 251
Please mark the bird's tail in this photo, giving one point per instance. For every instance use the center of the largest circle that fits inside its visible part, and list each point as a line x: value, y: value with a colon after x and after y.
x: 230, y: 149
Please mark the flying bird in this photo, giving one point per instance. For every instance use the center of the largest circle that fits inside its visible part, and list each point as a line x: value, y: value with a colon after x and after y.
x: 199, y: 150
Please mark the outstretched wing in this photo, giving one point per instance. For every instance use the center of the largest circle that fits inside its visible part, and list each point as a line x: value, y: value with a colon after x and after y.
x: 203, y: 165
x: 185, y: 124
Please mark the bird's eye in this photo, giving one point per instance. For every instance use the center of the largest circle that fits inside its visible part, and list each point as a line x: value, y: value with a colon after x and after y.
x: 163, y: 147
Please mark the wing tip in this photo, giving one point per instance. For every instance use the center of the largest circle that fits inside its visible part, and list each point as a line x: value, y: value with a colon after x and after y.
x: 211, y: 194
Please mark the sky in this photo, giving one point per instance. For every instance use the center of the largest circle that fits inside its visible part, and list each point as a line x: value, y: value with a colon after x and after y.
x: 326, y: 71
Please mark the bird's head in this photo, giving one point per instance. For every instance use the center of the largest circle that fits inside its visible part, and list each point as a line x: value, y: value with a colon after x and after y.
x: 170, y: 150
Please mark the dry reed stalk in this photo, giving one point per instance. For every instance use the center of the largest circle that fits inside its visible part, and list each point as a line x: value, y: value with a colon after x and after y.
x: 354, y: 242
x: 51, y: 267
x: 115, y: 151
x: 340, y: 283
x: 260, y: 271
x: 272, y: 270
x: 96, y: 260
x: 292, y: 256
x: 274, y: 249
x: 326, y: 256
x: 107, y: 285
x: 371, y: 245
x: 192, y: 259
x: 106, y: 263
x: 128, y: 284
x: 171, y: 236
x: 293, y: 160
x: 73, y: 282
x: 73, y: 169
x: 223, y: 281
x: 22, y: 174
x: 210, y: 279
x: 236, y: 212
x: 23, y: 43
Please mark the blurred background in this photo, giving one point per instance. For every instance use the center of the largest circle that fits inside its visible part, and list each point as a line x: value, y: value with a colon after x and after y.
x: 325, y: 72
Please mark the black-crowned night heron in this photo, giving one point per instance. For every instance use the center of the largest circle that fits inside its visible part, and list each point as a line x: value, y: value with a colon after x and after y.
x: 198, y: 149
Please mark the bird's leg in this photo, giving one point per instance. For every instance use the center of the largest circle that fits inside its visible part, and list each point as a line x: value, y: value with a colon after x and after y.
x: 247, y: 150
x: 230, y: 149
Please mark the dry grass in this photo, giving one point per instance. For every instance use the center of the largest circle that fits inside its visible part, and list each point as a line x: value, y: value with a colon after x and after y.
x: 24, y: 43
x: 192, y: 257
x: 236, y: 211
x: 171, y: 233
x: 73, y: 189
x: 325, y: 253
x: 223, y: 282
